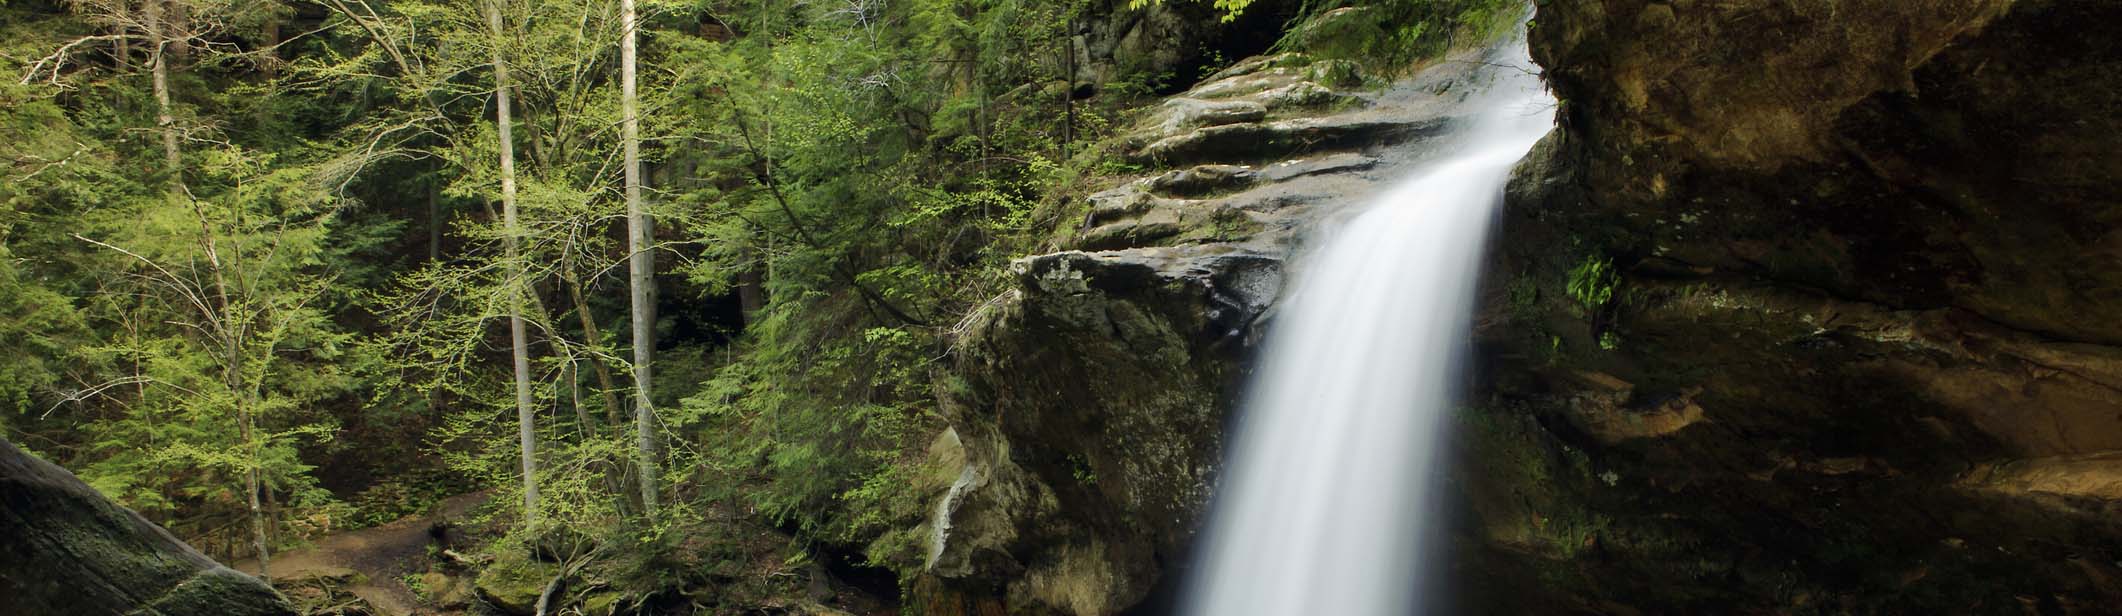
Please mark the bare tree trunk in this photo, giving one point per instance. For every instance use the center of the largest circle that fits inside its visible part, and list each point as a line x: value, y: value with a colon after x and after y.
x: 584, y: 427
x: 641, y: 262
x: 592, y: 336
x: 512, y: 234
x: 434, y: 220
x: 751, y: 287
x: 159, y: 69
x: 1068, y: 96
x: 271, y: 65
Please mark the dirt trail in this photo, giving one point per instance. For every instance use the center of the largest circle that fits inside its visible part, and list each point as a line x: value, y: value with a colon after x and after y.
x: 381, y: 554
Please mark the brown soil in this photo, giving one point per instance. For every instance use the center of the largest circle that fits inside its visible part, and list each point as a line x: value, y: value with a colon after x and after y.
x: 382, y: 555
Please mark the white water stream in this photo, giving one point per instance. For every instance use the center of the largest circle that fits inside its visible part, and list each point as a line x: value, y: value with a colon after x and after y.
x: 1324, y: 506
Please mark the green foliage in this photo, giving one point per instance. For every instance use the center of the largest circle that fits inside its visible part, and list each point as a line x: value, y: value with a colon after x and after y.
x: 174, y: 330
x: 1390, y: 36
x: 271, y: 302
x: 1230, y: 9
x: 1079, y: 467
x: 880, y: 168
x: 823, y: 425
x: 1592, y: 283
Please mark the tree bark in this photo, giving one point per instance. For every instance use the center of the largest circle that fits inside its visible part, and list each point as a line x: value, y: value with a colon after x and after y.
x: 511, y: 234
x: 593, y: 336
x: 434, y: 219
x: 641, y: 264
x: 158, y: 62
x: 584, y: 427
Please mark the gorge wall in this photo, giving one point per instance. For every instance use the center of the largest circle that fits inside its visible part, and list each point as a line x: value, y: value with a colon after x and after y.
x: 1807, y: 306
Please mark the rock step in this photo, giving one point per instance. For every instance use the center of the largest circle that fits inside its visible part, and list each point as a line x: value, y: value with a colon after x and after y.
x: 1284, y: 139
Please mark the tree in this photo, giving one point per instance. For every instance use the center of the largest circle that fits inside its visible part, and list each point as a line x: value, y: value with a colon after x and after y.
x: 544, y: 258
x: 193, y: 280
x: 519, y: 344
x: 641, y: 265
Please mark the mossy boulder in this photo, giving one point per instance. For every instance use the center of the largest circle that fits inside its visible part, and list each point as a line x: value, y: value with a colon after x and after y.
x: 69, y: 550
x: 513, y: 585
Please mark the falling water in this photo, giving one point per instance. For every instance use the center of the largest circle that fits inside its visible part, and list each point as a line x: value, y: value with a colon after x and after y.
x: 1324, y: 503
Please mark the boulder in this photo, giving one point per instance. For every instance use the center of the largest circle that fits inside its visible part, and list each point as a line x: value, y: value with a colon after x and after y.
x: 512, y: 585
x: 66, y: 550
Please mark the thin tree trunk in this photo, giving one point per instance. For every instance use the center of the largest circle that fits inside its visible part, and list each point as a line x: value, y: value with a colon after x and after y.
x: 1068, y: 96
x: 584, y: 427
x: 751, y: 286
x: 593, y: 336
x: 159, y: 69
x: 641, y: 262
x: 122, y: 59
x: 518, y: 339
x: 232, y: 332
x: 177, y: 19
x: 271, y: 66
x: 434, y: 219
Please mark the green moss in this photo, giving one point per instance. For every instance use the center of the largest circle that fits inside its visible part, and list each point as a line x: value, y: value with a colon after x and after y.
x: 514, y: 583
x: 218, y: 591
x: 602, y: 604
x: 1393, y: 35
x: 1531, y: 491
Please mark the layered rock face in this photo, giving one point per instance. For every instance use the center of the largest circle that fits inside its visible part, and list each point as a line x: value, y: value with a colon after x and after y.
x: 1087, y: 404
x: 67, y: 550
x: 1810, y: 306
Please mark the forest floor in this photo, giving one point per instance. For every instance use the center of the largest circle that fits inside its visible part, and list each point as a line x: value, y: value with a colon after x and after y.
x: 373, y: 563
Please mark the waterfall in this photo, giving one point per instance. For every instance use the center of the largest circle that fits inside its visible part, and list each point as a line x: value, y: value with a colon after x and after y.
x: 1325, y: 500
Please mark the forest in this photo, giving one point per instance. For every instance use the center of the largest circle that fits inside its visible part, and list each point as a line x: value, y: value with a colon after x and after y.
x: 1060, y: 307
x: 278, y: 270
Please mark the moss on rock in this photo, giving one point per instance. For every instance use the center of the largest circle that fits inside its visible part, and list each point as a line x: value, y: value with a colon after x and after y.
x: 71, y: 551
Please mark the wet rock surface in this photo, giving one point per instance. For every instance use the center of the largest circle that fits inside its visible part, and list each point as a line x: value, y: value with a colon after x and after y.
x: 67, y: 550
x: 1088, y: 402
x: 1843, y: 276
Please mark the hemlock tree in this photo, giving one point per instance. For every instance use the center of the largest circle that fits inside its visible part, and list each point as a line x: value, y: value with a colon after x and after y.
x: 193, y: 281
